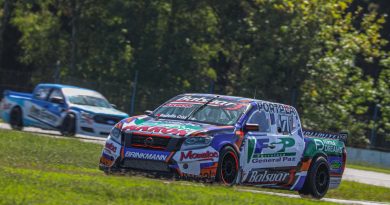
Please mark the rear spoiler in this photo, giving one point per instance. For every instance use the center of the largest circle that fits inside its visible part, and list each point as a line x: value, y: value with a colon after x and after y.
x: 342, y: 136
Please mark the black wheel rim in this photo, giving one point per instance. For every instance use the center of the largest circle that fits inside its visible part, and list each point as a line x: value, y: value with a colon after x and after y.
x: 322, y: 179
x: 229, y: 168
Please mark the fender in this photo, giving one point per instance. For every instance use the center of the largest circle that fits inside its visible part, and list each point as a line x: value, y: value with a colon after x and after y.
x: 222, y: 140
x: 312, y: 149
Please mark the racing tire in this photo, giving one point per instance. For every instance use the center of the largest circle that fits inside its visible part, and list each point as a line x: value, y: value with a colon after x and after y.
x: 317, y: 180
x: 16, y: 119
x: 227, y: 170
x: 68, y: 127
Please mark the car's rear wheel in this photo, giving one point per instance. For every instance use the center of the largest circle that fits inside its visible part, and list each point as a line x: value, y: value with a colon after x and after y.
x: 16, y: 119
x: 227, y: 166
x: 68, y: 127
x: 317, y: 180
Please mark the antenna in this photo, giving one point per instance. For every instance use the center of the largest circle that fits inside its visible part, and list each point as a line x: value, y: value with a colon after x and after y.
x: 254, y: 95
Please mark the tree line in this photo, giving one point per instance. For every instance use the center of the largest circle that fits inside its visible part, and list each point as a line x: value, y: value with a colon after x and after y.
x: 329, y: 58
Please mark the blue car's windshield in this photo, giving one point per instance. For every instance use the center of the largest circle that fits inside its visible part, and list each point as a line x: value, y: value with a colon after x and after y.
x: 89, y: 100
x: 85, y: 97
x: 217, y: 111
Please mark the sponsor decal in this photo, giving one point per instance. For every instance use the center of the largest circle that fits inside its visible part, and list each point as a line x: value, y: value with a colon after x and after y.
x: 276, y: 108
x: 163, y: 127
x: 172, y: 116
x: 147, y: 155
x: 310, y: 133
x: 335, y: 164
x: 274, y: 159
x: 328, y: 146
x: 42, y: 114
x: 255, y: 147
x: 267, y: 177
x: 208, y: 170
x: 178, y: 105
x: 202, y: 100
x: 203, y: 155
x: 110, y: 146
x: 106, y: 159
x: 156, y: 129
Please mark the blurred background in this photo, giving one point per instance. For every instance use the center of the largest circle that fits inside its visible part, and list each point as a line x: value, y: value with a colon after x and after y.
x: 330, y: 59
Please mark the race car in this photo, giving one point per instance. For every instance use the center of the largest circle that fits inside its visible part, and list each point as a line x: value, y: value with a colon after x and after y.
x: 228, y: 139
x: 68, y: 109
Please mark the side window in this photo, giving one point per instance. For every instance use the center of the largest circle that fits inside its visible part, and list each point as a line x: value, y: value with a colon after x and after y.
x: 56, y: 94
x: 42, y: 93
x: 285, y: 124
x: 260, y: 118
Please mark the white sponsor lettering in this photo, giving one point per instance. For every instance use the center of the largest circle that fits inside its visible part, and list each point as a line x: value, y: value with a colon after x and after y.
x: 265, y: 177
x: 327, y: 146
x: 150, y: 156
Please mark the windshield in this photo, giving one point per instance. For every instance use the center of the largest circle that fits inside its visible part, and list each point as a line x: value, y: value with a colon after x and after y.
x: 217, y: 111
x: 85, y: 97
x: 88, y: 100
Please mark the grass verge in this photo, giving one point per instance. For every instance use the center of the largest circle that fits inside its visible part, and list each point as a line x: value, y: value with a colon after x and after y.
x: 42, y: 170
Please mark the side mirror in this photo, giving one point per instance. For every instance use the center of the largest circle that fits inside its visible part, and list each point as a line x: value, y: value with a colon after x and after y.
x: 113, y: 105
x: 148, y: 112
x: 57, y: 100
x: 252, y: 127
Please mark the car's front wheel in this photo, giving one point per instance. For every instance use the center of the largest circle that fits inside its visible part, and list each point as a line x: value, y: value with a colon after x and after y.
x: 68, y: 127
x: 227, y: 166
x: 317, y: 180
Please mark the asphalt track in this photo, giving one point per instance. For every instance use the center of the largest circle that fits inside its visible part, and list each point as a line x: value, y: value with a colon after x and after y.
x: 366, y: 177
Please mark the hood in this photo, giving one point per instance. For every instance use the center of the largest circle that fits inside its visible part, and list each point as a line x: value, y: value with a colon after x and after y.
x: 149, y: 125
x: 100, y: 110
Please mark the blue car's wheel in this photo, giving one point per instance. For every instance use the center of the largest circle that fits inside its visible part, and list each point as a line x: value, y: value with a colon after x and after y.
x: 68, y: 127
x: 16, y: 119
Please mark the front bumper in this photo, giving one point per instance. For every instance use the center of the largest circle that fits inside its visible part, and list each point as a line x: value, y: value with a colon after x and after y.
x: 93, y: 129
x: 196, y: 163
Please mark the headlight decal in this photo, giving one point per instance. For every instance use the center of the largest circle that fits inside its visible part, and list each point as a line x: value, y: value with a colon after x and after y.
x: 195, y: 142
x: 198, y: 140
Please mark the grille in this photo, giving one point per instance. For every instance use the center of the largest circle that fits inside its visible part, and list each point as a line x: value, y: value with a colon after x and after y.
x: 149, y: 142
x: 108, y: 120
x: 146, y: 165
x: 152, y: 142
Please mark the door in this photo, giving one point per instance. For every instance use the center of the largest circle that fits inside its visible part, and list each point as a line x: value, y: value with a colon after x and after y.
x: 37, y: 109
x: 56, y: 107
x: 270, y: 154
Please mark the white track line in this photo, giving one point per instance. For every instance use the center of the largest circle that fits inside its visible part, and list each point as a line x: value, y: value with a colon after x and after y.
x: 341, y: 201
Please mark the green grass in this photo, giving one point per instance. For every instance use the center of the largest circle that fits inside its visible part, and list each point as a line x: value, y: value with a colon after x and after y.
x: 41, y: 170
x: 369, y: 167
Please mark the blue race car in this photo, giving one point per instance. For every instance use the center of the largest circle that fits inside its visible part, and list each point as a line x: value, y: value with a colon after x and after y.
x: 228, y: 139
x: 68, y: 109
